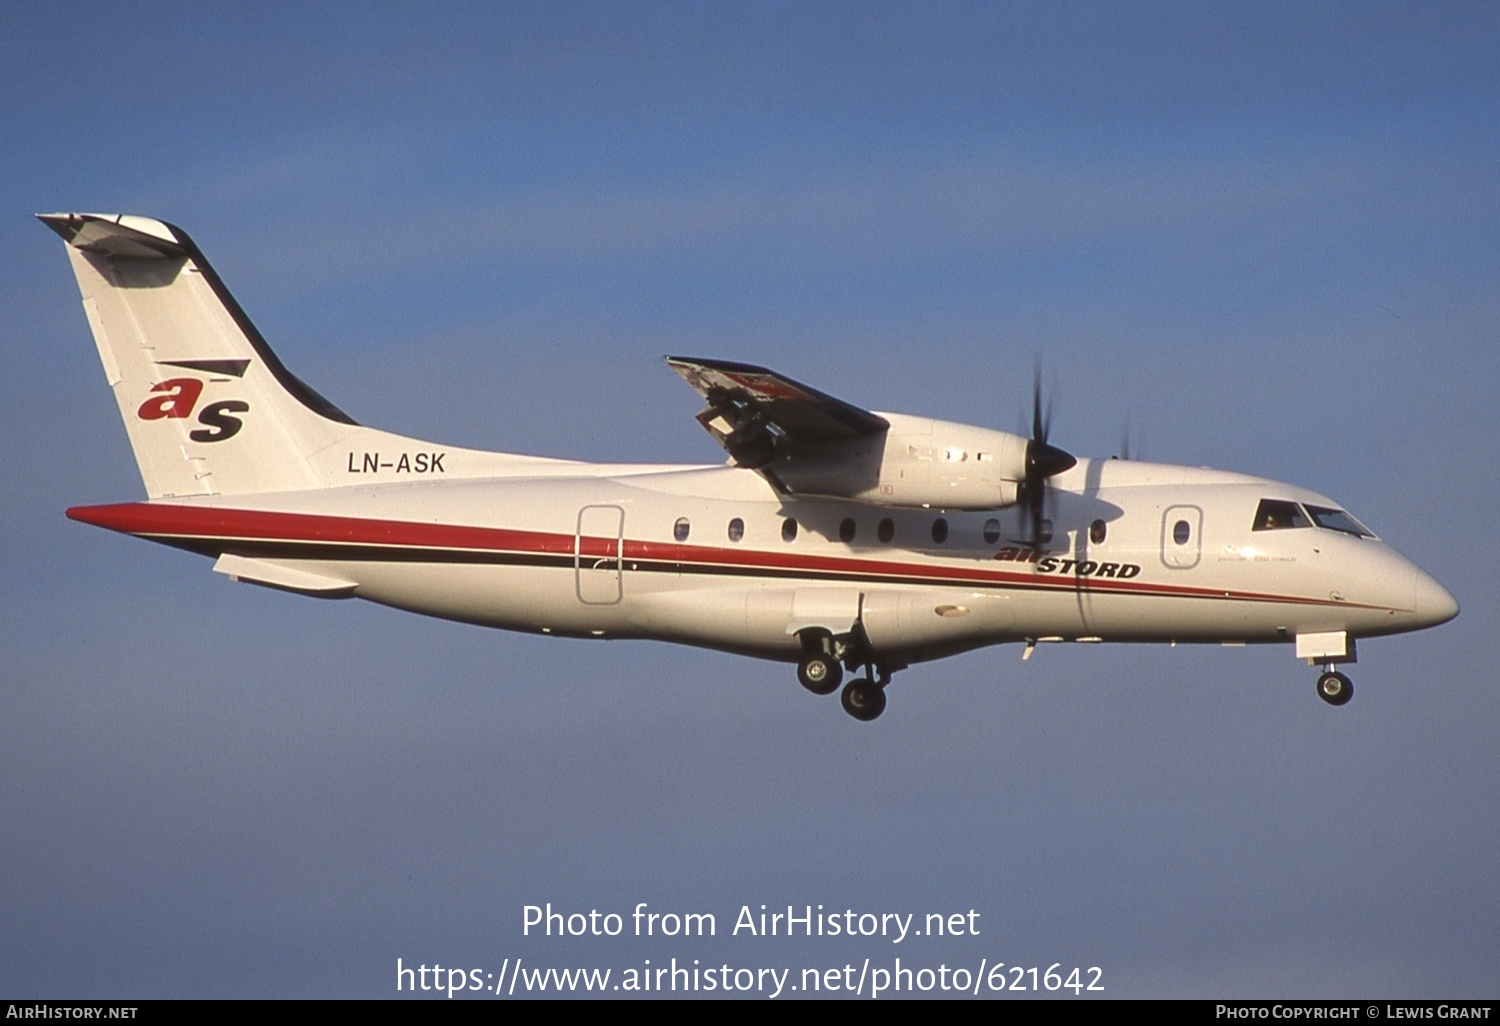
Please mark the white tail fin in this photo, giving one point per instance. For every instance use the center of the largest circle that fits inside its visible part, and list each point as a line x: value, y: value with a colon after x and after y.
x: 208, y: 407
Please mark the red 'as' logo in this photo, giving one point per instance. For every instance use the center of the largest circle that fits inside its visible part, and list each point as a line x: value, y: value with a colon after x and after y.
x: 176, y: 401
x: 181, y: 395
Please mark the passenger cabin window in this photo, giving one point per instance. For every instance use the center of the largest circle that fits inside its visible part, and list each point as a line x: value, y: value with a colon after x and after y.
x: 1279, y: 515
x: 991, y: 531
x: 1181, y: 532
x: 886, y: 529
x: 788, y: 530
x: 736, y: 529
x: 1044, y: 532
x: 940, y: 530
x: 680, y: 529
x: 1097, y: 531
x: 1338, y: 520
x: 846, y: 530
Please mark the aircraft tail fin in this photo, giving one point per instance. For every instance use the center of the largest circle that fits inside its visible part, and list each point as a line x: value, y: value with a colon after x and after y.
x: 207, y: 405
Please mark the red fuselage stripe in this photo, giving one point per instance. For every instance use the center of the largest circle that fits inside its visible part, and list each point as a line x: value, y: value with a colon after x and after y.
x: 164, y: 522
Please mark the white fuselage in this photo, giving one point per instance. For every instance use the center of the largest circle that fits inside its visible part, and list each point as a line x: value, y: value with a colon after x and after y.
x: 600, y: 551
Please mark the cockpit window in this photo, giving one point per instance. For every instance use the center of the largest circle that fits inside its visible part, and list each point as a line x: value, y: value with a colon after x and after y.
x: 1338, y: 520
x: 1278, y: 515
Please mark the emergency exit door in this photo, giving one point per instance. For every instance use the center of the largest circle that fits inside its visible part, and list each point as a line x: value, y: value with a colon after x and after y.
x: 598, y: 549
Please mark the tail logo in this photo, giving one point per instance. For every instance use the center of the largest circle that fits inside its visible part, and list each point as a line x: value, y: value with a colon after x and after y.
x: 175, y: 399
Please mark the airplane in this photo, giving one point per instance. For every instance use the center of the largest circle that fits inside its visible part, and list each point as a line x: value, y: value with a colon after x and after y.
x: 834, y: 538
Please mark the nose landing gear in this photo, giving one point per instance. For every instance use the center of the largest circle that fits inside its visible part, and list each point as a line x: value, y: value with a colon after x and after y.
x: 1334, y: 688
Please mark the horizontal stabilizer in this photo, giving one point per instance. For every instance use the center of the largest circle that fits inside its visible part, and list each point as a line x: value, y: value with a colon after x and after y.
x: 116, y: 235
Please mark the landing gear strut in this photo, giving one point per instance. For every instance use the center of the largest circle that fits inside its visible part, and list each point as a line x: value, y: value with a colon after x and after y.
x: 1334, y: 688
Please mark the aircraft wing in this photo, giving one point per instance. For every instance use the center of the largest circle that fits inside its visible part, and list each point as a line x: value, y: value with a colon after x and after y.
x: 757, y: 414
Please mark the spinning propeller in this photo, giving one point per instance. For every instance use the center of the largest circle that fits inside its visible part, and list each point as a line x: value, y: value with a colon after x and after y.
x: 1131, y: 445
x: 1042, y: 461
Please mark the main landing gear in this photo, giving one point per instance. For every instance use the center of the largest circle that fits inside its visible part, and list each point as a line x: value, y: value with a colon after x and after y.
x: 819, y: 672
x: 1334, y: 688
x: 863, y: 698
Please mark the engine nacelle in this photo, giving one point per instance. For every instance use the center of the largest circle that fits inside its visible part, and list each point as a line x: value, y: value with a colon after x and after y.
x: 918, y: 462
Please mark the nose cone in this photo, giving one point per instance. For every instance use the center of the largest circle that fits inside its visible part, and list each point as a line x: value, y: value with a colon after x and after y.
x: 1433, y: 603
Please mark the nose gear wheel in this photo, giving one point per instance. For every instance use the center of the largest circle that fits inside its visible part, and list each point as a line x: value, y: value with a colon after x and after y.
x: 1334, y: 688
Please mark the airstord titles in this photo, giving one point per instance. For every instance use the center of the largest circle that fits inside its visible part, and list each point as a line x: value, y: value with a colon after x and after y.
x: 1046, y: 563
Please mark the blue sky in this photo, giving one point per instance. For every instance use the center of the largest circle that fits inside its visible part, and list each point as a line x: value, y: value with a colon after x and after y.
x: 1263, y: 237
